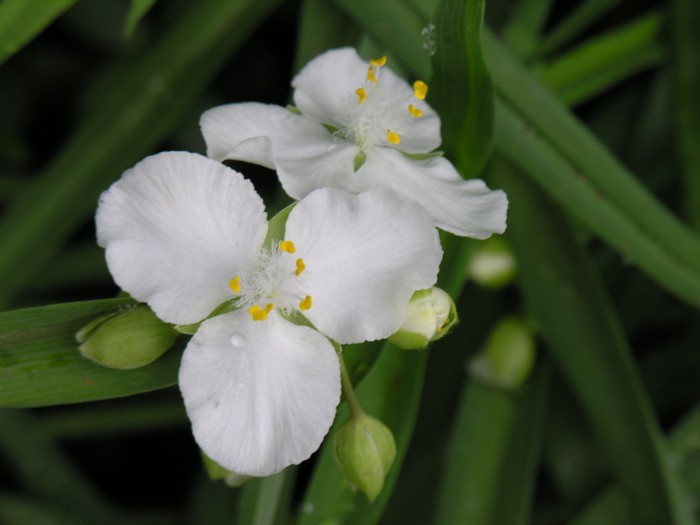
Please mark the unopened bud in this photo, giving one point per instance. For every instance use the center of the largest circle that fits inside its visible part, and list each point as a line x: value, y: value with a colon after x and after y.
x: 493, y: 264
x: 217, y: 472
x: 128, y: 339
x: 365, y: 450
x: 509, y: 355
x: 429, y: 316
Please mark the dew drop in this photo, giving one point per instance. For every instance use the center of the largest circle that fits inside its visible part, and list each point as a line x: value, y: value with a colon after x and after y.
x: 242, y: 385
x: 429, y: 43
x: 238, y: 340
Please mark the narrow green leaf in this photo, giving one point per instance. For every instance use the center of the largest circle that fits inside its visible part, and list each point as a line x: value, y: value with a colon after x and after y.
x: 580, y: 20
x: 46, y: 472
x: 686, y: 49
x: 146, y: 99
x: 22, y: 20
x: 526, y: 24
x: 596, y: 65
x: 265, y: 501
x: 494, y: 453
x: 137, y: 10
x: 40, y: 364
x: 565, y: 296
x: 586, y: 172
x: 462, y: 92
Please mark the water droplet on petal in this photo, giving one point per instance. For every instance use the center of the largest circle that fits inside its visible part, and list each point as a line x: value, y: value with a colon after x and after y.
x: 241, y: 385
x: 238, y: 340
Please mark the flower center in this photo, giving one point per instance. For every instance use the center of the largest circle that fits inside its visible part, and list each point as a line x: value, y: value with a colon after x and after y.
x: 377, y: 115
x: 275, y: 282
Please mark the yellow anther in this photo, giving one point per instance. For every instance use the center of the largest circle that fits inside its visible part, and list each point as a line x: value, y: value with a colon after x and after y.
x: 300, y: 267
x: 413, y: 110
x: 378, y: 62
x: 392, y: 137
x: 258, y: 313
x: 370, y: 75
x: 235, y: 284
x: 288, y: 246
x: 362, y: 94
x: 420, y: 89
x: 305, y: 303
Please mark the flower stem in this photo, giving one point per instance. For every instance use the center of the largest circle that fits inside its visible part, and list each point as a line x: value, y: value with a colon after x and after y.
x: 354, y: 404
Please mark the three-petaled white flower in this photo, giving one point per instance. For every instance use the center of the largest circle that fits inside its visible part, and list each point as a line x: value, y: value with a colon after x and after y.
x: 358, y: 126
x: 186, y: 234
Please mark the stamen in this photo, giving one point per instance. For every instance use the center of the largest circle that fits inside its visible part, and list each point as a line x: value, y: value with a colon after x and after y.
x: 288, y: 246
x: 258, y: 313
x: 235, y: 284
x: 300, y: 267
x: 392, y: 137
x: 305, y: 303
x: 413, y: 110
x: 370, y: 75
x: 378, y: 62
x: 420, y: 89
x: 362, y: 94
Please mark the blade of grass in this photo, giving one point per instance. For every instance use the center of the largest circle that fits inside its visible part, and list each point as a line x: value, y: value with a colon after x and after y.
x: 525, y: 26
x: 40, y: 364
x: 686, y: 47
x: 147, y: 98
x: 493, y: 454
x: 578, y: 22
x: 599, y: 63
x: 137, y: 10
x: 565, y: 296
x: 462, y: 91
x: 22, y: 20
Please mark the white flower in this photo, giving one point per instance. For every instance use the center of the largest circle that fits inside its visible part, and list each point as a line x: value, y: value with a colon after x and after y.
x: 359, y: 126
x: 186, y: 234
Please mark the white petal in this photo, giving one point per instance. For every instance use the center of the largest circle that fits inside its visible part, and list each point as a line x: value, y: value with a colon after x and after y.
x: 463, y: 207
x: 365, y: 255
x: 324, y: 86
x: 255, y: 132
x: 261, y: 395
x: 177, y: 228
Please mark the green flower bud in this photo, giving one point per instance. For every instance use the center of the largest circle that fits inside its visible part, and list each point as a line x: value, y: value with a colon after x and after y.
x: 429, y: 316
x: 364, y: 448
x: 128, y: 339
x: 493, y: 264
x: 508, y: 356
x: 217, y: 472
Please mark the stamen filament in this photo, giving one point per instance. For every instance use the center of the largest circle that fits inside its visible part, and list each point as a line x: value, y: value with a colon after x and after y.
x: 420, y: 89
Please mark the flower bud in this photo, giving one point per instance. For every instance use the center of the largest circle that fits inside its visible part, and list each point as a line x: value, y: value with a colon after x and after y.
x: 508, y: 356
x: 128, y: 339
x: 364, y: 448
x: 429, y: 316
x: 217, y: 472
x: 493, y: 264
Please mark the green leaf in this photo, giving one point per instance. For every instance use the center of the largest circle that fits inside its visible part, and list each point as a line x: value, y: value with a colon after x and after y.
x: 596, y: 65
x: 22, y: 20
x: 686, y: 49
x: 524, y: 28
x: 137, y: 10
x: 561, y: 155
x: 146, y: 99
x: 266, y: 501
x: 462, y: 92
x: 566, y: 298
x: 40, y: 364
x: 494, y: 453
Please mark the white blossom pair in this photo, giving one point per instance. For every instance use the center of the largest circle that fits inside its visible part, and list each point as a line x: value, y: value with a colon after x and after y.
x: 186, y: 235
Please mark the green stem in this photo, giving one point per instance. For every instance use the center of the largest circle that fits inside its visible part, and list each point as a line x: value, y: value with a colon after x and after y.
x: 353, y: 403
